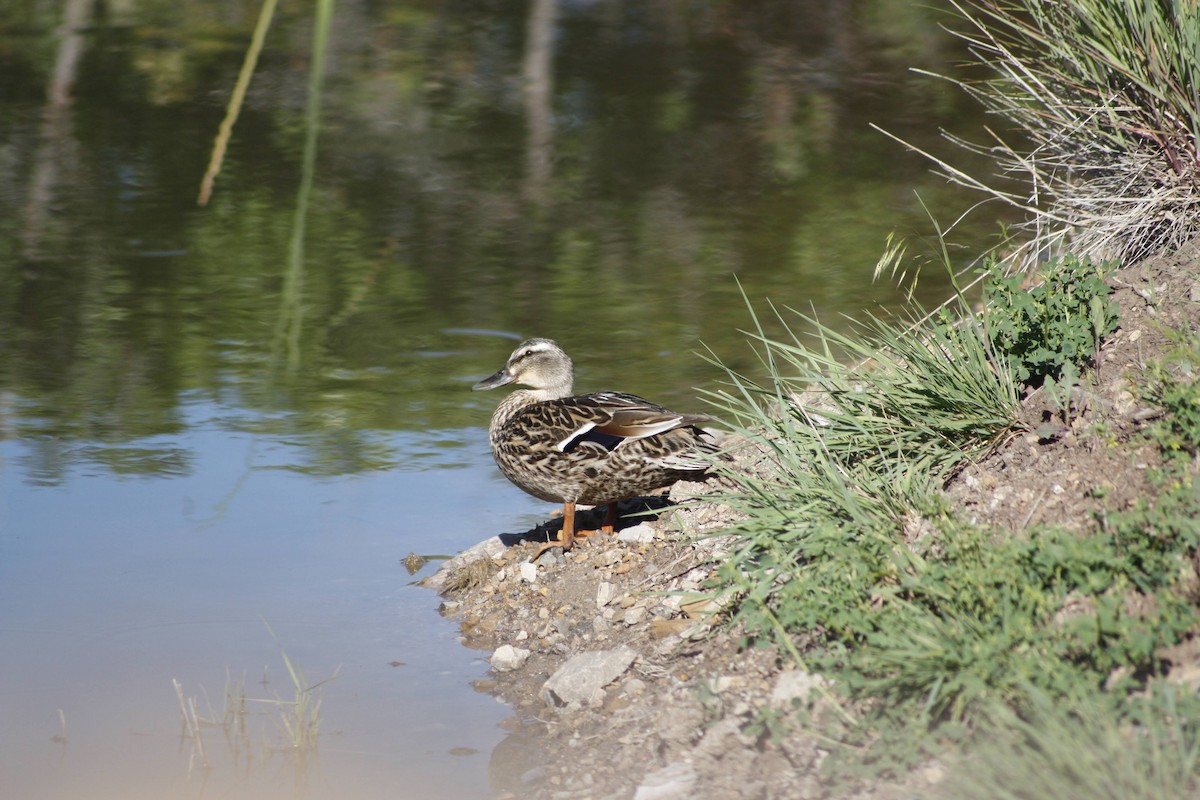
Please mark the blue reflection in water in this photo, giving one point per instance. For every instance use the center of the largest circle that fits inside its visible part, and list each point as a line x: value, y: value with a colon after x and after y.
x: 112, y: 584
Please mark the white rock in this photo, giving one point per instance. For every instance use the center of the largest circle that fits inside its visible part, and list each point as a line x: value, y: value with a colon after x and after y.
x: 673, y: 782
x: 528, y: 572
x: 577, y: 680
x: 794, y: 684
x: 604, y: 593
x: 507, y: 658
x: 489, y: 548
x: 637, y: 534
x: 634, y: 615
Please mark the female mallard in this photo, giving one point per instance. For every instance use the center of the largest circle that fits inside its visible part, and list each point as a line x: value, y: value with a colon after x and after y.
x: 594, y: 449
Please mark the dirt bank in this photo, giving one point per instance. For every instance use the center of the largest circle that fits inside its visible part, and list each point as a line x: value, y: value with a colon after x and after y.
x: 657, y: 702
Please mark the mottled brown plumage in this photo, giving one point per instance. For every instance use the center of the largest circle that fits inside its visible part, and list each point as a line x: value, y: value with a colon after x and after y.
x: 593, y: 449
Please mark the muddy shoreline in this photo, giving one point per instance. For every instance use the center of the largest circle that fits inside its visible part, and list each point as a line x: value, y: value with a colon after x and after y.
x: 624, y: 686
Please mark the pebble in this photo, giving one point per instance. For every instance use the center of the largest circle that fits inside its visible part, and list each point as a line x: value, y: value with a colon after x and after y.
x: 675, y: 781
x: 507, y: 658
x: 605, y: 593
x: 529, y: 572
x: 634, y: 615
x: 637, y: 534
x: 794, y: 685
x: 583, y: 677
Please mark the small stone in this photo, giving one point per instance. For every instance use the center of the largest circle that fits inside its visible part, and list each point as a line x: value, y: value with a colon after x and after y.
x: 719, y: 684
x: 634, y: 615
x: 543, y: 613
x: 662, y: 628
x: 637, y: 534
x: 577, y: 680
x: 673, y: 782
x: 535, y: 775
x: 529, y: 572
x: 604, y: 593
x: 794, y: 685
x: 507, y: 658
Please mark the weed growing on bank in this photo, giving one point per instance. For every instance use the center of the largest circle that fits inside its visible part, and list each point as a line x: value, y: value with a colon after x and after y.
x: 1091, y: 748
x: 850, y: 557
x: 1102, y: 94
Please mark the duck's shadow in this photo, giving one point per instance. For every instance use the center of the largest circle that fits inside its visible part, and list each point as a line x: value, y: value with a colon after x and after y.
x: 630, y: 513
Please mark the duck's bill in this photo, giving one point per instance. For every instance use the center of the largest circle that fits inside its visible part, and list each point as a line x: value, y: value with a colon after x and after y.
x: 499, y: 379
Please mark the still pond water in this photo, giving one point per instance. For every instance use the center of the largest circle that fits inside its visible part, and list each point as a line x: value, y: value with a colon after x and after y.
x: 223, y: 428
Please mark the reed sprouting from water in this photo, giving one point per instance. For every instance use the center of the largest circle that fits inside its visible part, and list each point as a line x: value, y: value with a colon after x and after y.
x: 225, y: 131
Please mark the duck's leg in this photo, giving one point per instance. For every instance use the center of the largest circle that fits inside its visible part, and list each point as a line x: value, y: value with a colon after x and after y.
x: 610, y: 518
x: 608, y: 526
x: 566, y: 537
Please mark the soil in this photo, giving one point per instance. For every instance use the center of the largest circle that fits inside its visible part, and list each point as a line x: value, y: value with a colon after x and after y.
x: 675, y: 721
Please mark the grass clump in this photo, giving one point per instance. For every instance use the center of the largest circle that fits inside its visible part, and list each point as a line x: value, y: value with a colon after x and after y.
x: 1086, y: 749
x: 851, y: 558
x: 850, y: 466
x: 1104, y: 93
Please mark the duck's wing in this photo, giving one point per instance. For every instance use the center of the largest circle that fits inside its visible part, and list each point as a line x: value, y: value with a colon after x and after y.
x: 611, y: 419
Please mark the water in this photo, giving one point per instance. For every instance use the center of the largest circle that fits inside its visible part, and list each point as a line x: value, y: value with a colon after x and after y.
x: 214, y: 447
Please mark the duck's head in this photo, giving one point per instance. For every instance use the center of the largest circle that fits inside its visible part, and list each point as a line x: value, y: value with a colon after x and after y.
x: 539, y: 364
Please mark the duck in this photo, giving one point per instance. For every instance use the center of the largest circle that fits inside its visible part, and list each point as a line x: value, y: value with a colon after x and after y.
x: 590, y: 449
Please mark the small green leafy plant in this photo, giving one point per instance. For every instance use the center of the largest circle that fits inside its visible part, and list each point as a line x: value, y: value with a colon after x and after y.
x: 1056, y: 324
x: 1175, y: 386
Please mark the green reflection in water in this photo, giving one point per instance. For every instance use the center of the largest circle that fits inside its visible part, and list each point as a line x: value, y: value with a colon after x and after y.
x: 678, y: 148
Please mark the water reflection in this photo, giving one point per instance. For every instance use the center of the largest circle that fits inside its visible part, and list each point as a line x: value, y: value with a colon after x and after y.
x: 192, y: 437
x: 655, y: 153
